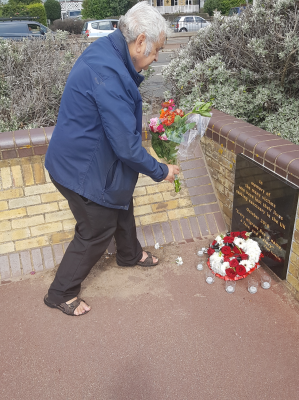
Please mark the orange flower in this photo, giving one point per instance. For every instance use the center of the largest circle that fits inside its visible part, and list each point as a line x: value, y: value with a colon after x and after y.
x: 167, y: 117
x: 162, y: 114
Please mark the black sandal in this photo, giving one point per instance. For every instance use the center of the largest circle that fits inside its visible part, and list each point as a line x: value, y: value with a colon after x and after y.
x: 149, y: 261
x: 68, y: 309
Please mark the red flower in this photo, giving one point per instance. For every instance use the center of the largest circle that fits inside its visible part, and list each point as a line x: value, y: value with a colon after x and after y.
x: 236, y: 250
x: 244, y: 256
x: 226, y: 258
x: 228, y: 239
x: 233, y: 263
x: 235, y: 234
x: 226, y: 250
x: 230, y: 272
x: 210, y: 251
x: 214, y: 242
x: 240, y: 270
x: 243, y: 234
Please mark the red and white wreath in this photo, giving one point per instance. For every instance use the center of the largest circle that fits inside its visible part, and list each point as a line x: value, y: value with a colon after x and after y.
x: 234, y: 256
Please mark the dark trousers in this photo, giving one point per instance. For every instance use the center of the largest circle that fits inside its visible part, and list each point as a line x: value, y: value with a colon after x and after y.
x: 96, y: 225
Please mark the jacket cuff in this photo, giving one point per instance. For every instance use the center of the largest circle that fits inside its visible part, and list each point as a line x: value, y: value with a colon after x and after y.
x: 165, y: 170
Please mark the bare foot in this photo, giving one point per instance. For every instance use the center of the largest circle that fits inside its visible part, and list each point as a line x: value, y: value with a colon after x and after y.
x: 81, y: 309
x: 144, y: 256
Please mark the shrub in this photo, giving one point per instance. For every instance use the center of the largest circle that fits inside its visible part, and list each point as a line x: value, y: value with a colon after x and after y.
x: 38, y: 10
x: 33, y: 74
x: 220, y: 5
x: 27, y: 2
x: 70, y: 25
x: 100, y: 9
x: 53, y: 9
x: 247, y: 65
x: 14, y: 9
x: 35, y: 9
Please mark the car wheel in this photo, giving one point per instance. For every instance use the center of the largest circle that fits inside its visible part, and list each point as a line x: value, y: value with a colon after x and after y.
x: 183, y: 30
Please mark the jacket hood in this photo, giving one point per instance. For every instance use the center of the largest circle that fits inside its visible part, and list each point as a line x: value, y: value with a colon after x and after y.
x: 121, y: 47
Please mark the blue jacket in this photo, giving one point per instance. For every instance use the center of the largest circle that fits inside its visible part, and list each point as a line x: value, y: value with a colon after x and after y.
x: 96, y: 147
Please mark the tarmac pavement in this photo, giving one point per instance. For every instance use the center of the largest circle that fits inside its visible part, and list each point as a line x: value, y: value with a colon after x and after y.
x: 152, y: 334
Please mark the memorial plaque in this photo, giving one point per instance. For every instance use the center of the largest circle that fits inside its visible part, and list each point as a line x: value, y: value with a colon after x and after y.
x: 265, y: 204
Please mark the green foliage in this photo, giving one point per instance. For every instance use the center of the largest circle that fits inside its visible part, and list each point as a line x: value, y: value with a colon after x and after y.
x: 33, y: 74
x: 246, y: 65
x: 53, y: 9
x: 38, y: 10
x: 14, y: 10
x: 27, y: 2
x: 220, y: 5
x: 100, y: 9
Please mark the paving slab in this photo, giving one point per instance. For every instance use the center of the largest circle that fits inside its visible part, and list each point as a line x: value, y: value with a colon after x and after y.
x: 153, y: 334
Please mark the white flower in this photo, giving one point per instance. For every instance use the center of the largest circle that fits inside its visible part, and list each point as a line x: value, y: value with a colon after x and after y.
x: 247, y: 264
x: 223, y: 268
x: 157, y: 246
x: 179, y: 261
x: 239, y: 242
x: 219, y: 240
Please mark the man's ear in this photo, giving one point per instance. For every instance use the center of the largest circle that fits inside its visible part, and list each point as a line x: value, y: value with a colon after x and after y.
x: 140, y: 42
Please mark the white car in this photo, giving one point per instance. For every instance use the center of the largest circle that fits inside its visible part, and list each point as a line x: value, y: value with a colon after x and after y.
x: 189, y: 23
x: 99, y: 28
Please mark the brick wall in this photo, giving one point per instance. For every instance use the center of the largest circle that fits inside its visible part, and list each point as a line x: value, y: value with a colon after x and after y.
x: 227, y: 136
x: 36, y: 224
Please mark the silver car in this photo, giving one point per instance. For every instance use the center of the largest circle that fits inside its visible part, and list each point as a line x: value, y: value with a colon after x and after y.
x: 99, y: 28
x: 189, y: 23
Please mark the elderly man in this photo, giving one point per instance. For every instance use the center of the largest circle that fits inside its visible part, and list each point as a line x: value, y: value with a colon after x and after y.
x: 95, y: 153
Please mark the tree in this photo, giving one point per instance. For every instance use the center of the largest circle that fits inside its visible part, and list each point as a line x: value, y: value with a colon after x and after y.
x: 27, y: 2
x: 53, y: 10
x: 247, y: 65
x: 220, y: 5
x: 99, y: 9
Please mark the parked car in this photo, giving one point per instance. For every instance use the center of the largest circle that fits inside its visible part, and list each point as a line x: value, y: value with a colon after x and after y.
x: 99, y: 28
x: 189, y: 23
x: 236, y: 10
x: 19, y: 29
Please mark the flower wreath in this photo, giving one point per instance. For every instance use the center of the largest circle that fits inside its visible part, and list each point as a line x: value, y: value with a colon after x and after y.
x: 234, y: 256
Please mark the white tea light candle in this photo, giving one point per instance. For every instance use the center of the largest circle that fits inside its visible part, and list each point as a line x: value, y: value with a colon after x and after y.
x: 230, y: 289
x: 265, y: 281
x: 266, y: 285
x: 252, y: 289
x: 230, y: 286
x: 200, y: 253
x: 209, y: 280
x: 199, y: 267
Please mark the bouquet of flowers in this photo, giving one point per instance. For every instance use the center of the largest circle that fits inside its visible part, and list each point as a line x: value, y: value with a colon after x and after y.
x: 169, y: 128
x: 234, y: 256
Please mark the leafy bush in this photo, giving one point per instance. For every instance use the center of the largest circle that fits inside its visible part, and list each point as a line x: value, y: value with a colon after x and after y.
x: 34, y: 9
x: 220, y: 5
x: 246, y: 65
x: 14, y: 10
x: 38, y: 10
x: 24, y: 1
x: 33, y: 74
x: 100, y: 9
x: 70, y: 25
x: 53, y: 9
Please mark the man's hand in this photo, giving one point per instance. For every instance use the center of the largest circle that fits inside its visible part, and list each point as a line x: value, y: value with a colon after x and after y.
x: 172, y: 170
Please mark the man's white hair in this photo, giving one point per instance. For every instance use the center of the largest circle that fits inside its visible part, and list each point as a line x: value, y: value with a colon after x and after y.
x: 143, y: 18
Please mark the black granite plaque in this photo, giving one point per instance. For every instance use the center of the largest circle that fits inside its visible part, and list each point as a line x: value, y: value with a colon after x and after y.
x: 265, y: 204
